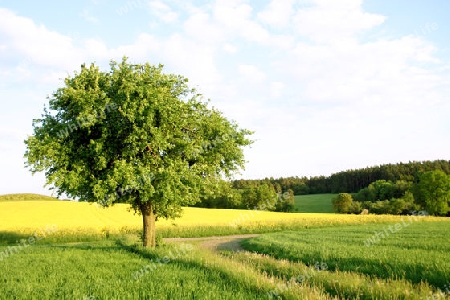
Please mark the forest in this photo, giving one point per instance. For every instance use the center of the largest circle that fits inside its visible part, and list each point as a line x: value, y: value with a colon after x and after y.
x: 350, y: 181
x: 388, y: 188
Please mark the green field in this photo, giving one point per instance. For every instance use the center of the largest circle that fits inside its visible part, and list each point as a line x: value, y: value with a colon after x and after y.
x: 318, y: 203
x: 402, y: 263
x: 108, y: 270
x: 319, y: 263
x: 93, y: 254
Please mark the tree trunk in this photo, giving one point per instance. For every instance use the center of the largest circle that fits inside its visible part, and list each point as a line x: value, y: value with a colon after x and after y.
x: 148, y: 217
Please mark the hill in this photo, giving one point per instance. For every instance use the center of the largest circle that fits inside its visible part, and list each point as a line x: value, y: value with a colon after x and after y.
x: 26, y: 197
x: 317, y: 203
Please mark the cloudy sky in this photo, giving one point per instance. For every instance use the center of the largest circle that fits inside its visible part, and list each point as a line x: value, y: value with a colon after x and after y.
x: 327, y: 85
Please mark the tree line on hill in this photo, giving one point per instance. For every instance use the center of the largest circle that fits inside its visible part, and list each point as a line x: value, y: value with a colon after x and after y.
x: 371, y: 184
x: 350, y: 181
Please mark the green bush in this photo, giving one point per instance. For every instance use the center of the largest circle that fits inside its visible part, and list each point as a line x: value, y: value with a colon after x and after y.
x: 343, y: 203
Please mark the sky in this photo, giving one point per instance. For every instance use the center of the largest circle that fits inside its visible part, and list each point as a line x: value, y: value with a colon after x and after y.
x: 326, y: 85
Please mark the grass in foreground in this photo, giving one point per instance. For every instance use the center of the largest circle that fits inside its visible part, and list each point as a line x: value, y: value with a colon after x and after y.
x: 122, y: 270
x: 108, y: 270
x: 406, y: 261
x: 344, y: 285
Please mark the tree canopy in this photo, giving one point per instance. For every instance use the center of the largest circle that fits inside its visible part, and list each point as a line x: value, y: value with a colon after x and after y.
x: 134, y: 135
x: 433, y: 192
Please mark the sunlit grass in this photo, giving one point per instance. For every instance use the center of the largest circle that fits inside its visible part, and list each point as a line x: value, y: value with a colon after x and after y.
x: 415, y: 254
x: 107, y: 270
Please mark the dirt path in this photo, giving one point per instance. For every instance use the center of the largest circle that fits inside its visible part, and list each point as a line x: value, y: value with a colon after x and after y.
x: 228, y: 242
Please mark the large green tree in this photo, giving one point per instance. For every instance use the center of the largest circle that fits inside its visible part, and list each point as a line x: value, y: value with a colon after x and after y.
x: 133, y: 135
x: 433, y: 192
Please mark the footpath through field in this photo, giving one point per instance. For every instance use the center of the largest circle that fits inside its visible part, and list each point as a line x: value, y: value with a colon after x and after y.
x: 227, y: 242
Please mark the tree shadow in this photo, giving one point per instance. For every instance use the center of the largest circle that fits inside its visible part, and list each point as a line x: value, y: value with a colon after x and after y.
x: 8, y: 238
x: 232, y: 245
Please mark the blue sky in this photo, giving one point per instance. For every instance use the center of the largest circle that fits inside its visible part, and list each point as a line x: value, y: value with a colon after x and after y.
x: 326, y: 85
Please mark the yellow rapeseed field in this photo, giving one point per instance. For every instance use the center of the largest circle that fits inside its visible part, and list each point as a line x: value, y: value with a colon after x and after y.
x: 78, y: 218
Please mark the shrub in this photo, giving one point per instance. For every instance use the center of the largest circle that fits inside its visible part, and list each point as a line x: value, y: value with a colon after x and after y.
x: 343, y: 203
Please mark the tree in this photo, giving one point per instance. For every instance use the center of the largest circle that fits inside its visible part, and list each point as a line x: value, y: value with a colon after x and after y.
x: 261, y: 197
x: 366, y: 194
x: 223, y: 196
x: 277, y: 188
x: 285, y: 202
x: 133, y: 135
x: 384, y: 190
x: 401, y: 188
x: 232, y: 199
x: 342, y: 203
x: 433, y: 192
x: 301, y: 189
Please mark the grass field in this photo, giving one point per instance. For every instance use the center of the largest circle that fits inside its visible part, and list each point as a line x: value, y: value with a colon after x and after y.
x: 107, y: 270
x: 415, y: 256
x: 70, y: 250
x: 319, y: 203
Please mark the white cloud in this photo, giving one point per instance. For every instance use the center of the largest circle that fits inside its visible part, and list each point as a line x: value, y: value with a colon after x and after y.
x: 329, y: 21
x: 277, y: 13
x: 139, y: 50
x: 86, y: 14
x: 35, y: 47
x: 201, y: 27
x: 276, y: 89
x: 163, y: 11
x: 283, y: 42
x: 235, y: 16
x: 232, y: 14
x: 96, y: 47
x: 230, y: 48
x: 179, y: 54
x: 347, y: 71
x: 230, y: 21
x: 36, y: 42
x: 251, y: 73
